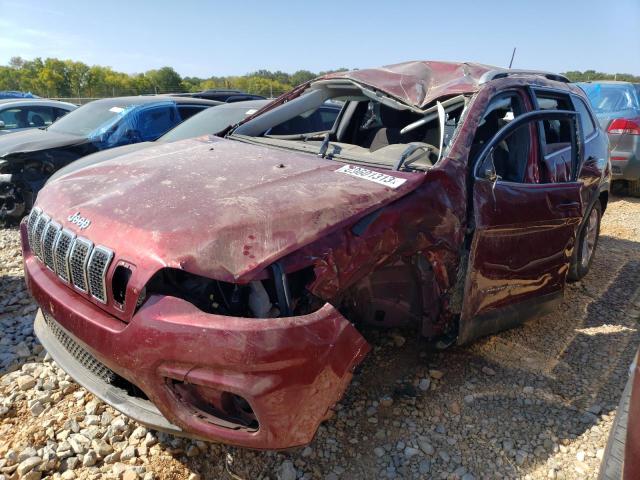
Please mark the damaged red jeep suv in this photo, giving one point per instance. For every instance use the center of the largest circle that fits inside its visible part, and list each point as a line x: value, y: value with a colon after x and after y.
x: 212, y: 287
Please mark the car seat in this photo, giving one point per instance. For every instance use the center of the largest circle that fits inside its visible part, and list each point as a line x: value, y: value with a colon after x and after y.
x: 393, y: 122
x: 37, y: 121
x: 21, y: 119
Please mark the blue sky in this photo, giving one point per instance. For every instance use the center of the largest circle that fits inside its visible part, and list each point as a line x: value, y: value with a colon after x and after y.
x: 227, y: 38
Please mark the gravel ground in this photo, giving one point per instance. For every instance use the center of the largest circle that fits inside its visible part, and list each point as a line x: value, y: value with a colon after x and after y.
x: 533, y: 402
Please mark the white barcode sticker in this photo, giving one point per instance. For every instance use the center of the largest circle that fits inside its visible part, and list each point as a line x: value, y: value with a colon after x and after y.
x: 377, y: 177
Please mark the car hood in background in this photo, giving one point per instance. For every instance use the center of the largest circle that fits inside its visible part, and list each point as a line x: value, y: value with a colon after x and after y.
x: 34, y: 139
x: 218, y: 208
x: 98, y: 157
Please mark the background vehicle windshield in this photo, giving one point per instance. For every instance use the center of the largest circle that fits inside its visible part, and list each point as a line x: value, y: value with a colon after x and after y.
x: 89, y: 118
x: 607, y: 98
x: 213, y: 120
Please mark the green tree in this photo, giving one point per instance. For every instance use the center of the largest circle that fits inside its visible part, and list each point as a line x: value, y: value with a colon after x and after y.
x: 165, y: 80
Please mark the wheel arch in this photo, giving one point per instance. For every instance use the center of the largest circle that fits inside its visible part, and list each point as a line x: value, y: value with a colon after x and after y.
x: 604, y: 199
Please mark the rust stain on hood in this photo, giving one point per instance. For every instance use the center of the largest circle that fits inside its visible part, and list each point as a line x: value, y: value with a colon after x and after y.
x: 218, y: 208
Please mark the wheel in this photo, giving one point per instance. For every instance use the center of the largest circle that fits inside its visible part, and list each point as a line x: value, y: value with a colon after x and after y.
x: 12, y: 206
x: 633, y: 188
x: 586, y: 244
x: 613, y: 459
x: 619, y: 187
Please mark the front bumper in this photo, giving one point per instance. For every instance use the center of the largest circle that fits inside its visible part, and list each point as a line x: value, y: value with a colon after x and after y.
x: 625, y: 156
x: 625, y: 166
x: 291, y: 371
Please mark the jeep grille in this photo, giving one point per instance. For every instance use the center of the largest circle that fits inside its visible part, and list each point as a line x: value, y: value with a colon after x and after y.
x: 74, y: 259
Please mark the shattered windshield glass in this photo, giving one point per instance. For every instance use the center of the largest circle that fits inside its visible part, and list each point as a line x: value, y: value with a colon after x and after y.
x: 369, y: 128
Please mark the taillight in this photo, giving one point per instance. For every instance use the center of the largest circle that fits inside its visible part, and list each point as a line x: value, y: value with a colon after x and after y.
x: 622, y: 125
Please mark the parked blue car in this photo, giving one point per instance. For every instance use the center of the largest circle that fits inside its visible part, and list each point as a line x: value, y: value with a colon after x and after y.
x: 29, y: 158
x: 15, y: 94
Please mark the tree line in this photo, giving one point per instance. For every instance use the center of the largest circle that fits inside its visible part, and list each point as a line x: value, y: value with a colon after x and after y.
x: 588, y: 75
x: 57, y: 78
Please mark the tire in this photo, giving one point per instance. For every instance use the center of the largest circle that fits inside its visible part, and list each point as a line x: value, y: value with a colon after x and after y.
x: 586, y: 244
x: 633, y: 188
x: 619, y: 187
x: 12, y: 206
x: 613, y: 459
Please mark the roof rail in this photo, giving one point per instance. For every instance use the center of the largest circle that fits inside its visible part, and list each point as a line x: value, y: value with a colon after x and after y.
x: 502, y: 73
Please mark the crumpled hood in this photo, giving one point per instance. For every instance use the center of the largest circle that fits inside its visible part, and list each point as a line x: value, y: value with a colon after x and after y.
x: 219, y: 208
x: 418, y: 83
x: 34, y: 140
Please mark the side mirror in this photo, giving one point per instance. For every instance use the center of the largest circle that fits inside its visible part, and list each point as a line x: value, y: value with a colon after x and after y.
x: 488, y: 169
x: 490, y: 174
x: 2, y: 125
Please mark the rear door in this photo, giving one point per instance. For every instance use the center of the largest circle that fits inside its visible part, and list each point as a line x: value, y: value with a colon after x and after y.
x: 526, y: 206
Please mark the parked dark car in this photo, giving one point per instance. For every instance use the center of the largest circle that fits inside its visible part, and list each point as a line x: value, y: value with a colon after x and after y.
x: 617, y: 107
x: 621, y: 460
x: 215, y: 288
x: 17, y: 115
x: 214, y: 121
x: 222, y: 95
x: 210, y: 121
x: 29, y: 158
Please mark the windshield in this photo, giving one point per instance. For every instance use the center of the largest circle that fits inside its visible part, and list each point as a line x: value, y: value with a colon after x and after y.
x: 345, y: 122
x: 607, y: 98
x: 89, y: 118
x: 213, y: 120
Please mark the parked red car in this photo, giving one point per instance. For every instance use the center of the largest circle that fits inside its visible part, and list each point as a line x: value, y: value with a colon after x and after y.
x: 213, y: 287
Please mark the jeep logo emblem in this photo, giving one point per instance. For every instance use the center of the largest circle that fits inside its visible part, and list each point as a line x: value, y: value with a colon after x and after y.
x: 81, y: 222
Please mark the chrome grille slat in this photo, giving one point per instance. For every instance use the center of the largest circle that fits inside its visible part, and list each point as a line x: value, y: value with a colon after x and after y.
x: 78, y: 260
x: 31, y: 223
x: 97, y: 272
x: 49, y: 238
x: 36, y: 244
x: 62, y: 248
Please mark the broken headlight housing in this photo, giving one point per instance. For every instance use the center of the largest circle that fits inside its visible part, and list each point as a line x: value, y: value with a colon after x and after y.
x: 280, y: 295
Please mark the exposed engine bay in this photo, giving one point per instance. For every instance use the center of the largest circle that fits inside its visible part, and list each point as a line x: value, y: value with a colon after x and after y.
x: 279, y: 296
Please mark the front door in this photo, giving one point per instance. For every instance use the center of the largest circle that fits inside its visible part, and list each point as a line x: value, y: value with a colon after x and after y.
x: 526, y: 208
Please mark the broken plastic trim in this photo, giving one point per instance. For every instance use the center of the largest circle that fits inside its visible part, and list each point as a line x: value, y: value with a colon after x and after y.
x: 282, y: 289
x: 367, y: 92
x: 432, y: 112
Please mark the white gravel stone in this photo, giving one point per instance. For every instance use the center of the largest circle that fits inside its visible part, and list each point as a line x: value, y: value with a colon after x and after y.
x: 287, y: 471
x: 27, y: 465
x: 128, y: 453
x: 424, y: 384
x: 26, y: 382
